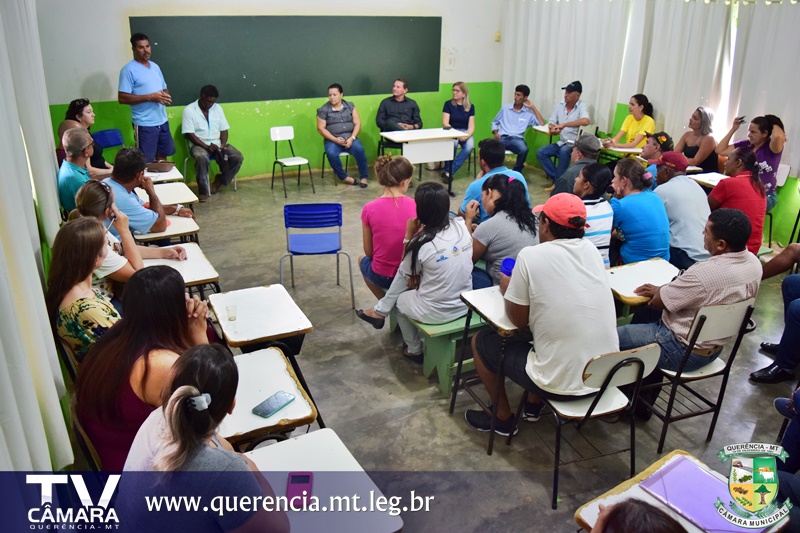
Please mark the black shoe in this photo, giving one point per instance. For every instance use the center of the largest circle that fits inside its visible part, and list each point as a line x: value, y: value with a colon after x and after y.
x: 532, y: 412
x: 772, y: 374
x: 480, y: 420
x: 770, y: 347
x: 377, y: 323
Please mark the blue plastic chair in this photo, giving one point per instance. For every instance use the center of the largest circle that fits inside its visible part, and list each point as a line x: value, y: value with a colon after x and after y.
x: 108, y: 138
x: 315, y: 216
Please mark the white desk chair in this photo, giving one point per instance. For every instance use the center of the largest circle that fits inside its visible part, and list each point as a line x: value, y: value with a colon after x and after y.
x: 710, y: 323
x: 605, y: 372
x: 286, y: 133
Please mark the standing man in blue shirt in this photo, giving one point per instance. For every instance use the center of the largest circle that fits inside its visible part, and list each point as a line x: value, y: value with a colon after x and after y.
x: 567, y: 117
x: 142, y: 86
x: 205, y: 126
x: 511, y: 122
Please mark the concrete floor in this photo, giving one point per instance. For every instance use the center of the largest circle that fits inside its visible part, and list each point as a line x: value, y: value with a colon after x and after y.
x: 396, y: 422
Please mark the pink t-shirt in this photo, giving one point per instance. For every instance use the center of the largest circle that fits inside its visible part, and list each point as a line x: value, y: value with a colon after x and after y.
x: 387, y: 218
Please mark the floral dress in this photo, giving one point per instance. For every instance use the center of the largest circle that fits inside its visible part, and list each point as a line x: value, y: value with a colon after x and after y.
x: 81, y: 323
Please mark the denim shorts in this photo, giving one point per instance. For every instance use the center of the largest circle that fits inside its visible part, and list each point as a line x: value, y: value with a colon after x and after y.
x: 366, y: 269
x: 155, y: 141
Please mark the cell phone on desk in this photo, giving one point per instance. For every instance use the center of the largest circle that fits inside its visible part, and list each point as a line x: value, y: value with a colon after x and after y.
x: 299, y: 486
x: 273, y: 404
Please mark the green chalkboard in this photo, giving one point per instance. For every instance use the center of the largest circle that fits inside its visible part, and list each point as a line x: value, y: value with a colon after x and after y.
x: 272, y: 58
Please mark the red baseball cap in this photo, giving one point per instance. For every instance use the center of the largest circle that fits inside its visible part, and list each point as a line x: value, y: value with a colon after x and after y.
x: 562, y: 207
x: 673, y: 160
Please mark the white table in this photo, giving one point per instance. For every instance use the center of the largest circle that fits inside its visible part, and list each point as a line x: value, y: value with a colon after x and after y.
x: 170, y: 194
x: 625, y: 279
x: 261, y: 374
x: 196, y: 270
x: 336, y: 474
x: 172, y: 174
x: 709, y: 179
x: 263, y: 314
x: 692, y: 169
x: 623, y: 151
x: 179, y: 227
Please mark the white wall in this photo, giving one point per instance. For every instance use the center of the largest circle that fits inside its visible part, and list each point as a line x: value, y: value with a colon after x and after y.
x: 85, y: 42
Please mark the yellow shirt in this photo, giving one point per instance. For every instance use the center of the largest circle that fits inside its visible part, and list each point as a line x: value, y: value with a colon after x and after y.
x: 633, y: 127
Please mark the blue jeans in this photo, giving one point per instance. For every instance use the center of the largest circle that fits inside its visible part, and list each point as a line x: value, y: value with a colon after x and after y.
x: 481, y: 279
x: 564, y: 154
x: 466, y: 149
x: 332, y: 150
x: 789, y: 350
x: 516, y: 145
x: 772, y: 201
x: 638, y: 335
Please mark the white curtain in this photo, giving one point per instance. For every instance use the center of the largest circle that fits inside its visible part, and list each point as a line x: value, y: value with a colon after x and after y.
x: 548, y: 44
x: 765, y: 76
x: 683, y: 60
x: 33, y: 435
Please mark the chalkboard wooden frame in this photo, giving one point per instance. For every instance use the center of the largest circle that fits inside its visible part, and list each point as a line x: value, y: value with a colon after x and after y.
x: 258, y: 58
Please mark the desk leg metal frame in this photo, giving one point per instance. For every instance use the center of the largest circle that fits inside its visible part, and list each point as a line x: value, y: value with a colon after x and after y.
x: 466, y: 383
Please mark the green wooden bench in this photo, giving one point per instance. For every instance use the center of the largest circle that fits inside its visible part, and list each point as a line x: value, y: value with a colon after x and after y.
x: 440, y: 348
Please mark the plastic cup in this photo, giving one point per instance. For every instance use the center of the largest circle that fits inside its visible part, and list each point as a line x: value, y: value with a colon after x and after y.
x: 507, y: 266
x: 231, y: 311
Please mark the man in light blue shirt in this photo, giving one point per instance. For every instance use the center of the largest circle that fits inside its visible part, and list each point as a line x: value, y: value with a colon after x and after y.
x: 511, y: 122
x: 142, y: 86
x: 492, y: 153
x: 567, y: 117
x: 205, y: 127
x: 128, y: 173
x: 77, y: 144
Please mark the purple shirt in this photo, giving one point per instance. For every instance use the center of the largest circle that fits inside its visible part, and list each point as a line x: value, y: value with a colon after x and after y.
x: 768, y: 162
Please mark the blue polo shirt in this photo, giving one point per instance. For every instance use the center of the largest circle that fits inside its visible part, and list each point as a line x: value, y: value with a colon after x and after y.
x: 135, y: 78
x: 140, y: 219
x: 474, y: 189
x: 70, y: 179
x: 642, y: 225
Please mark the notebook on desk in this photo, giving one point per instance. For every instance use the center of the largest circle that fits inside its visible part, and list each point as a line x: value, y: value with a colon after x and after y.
x: 691, y: 491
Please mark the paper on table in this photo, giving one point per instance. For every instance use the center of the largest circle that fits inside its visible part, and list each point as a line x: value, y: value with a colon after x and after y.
x: 692, y: 491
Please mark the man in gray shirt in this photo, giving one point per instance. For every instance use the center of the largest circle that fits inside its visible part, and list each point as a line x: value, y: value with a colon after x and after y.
x: 585, y: 152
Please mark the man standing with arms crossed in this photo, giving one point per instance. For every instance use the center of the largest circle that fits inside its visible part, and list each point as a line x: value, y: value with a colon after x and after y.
x: 142, y: 86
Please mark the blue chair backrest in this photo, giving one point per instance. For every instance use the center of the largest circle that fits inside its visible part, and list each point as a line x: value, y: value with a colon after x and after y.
x: 312, y: 215
x: 108, y: 138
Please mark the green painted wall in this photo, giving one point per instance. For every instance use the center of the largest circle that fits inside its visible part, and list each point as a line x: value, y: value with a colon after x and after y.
x: 250, y: 123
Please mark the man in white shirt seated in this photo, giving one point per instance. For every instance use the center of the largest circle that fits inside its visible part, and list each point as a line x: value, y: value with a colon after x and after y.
x: 562, y: 278
x: 568, y: 116
x: 204, y: 124
x: 687, y: 209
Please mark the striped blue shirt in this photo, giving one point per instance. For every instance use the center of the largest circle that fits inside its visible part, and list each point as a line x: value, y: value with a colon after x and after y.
x: 599, y: 220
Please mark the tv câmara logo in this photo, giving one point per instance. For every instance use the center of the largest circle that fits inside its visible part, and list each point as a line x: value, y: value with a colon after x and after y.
x: 753, y: 485
x: 88, y: 516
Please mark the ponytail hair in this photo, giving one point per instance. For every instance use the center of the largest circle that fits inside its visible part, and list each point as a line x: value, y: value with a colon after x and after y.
x: 634, y: 171
x: 513, y: 201
x: 393, y: 171
x: 433, y: 213
x: 203, y: 390
x: 643, y: 101
x: 750, y: 164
